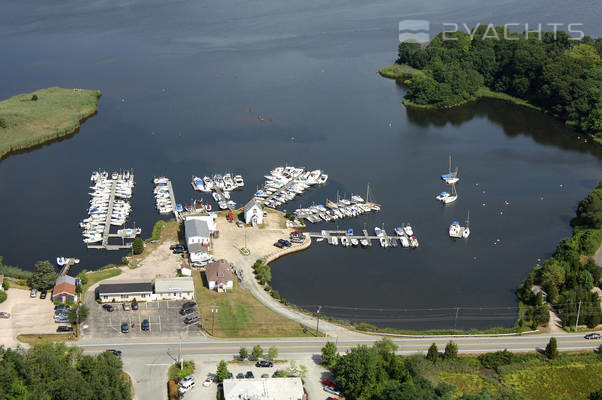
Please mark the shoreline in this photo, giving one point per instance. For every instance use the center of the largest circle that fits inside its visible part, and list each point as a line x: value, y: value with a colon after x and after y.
x: 54, y: 134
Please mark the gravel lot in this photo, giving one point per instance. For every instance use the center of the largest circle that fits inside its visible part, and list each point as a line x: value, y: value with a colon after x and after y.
x: 27, y: 315
x: 163, y: 316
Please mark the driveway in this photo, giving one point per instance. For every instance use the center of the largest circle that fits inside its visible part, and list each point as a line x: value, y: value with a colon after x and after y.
x: 27, y: 315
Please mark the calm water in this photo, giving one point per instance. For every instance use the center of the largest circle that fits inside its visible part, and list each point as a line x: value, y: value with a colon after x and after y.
x: 190, y: 71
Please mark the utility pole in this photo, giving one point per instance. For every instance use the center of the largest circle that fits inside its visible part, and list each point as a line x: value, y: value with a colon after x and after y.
x: 456, y: 319
x: 213, y: 312
x: 180, y: 356
x: 318, y: 324
x: 77, y: 320
x: 578, y: 312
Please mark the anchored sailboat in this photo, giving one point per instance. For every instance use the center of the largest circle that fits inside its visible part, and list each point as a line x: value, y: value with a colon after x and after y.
x: 451, y: 177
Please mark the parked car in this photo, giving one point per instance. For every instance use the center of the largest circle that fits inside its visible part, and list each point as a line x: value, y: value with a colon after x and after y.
x: 191, y: 319
x: 64, y: 328
x: 285, y: 242
x: 176, y: 246
x: 33, y: 293
x: 145, y: 325
x: 61, y: 308
x: 328, y: 382
x: 186, y: 311
x: 126, y: 307
x: 125, y: 327
x: 279, y: 245
x: 135, y: 305
x: 186, y: 379
x: 189, y: 304
x: 331, y: 390
x: 332, y: 398
x: 178, y: 250
x: 240, y: 375
x: 249, y: 375
x: 43, y: 294
x: 264, y: 364
x: 108, y: 307
x: 4, y: 315
x: 60, y: 319
x: 590, y: 336
x: 116, y: 352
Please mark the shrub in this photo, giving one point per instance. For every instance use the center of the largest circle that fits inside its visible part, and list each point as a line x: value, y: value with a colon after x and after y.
x: 2, y: 296
x: 138, y: 246
x: 432, y: 354
x: 552, y: 349
x: 275, y: 294
x: 34, y: 97
x: 14, y: 272
x: 124, y: 261
x: 497, y: 359
x: 176, y: 372
x: 451, y: 351
x: 257, y: 352
x: 5, y: 284
x: 243, y: 353
x: 83, y: 277
x: 272, y: 353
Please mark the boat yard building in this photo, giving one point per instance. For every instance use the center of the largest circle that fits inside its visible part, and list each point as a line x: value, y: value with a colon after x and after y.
x: 64, y: 289
x: 219, y: 276
x: 174, y: 288
x: 124, y: 292
x: 253, y: 213
x: 198, y: 232
x: 264, y: 389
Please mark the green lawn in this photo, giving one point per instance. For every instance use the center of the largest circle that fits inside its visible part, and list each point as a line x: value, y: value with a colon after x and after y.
x: 100, y: 275
x: 577, y: 380
x: 57, y: 112
x: 240, y: 314
x: 397, y: 71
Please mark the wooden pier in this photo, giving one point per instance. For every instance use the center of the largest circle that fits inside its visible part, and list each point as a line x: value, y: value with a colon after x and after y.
x: 172, y: 197
x: 328, y: 234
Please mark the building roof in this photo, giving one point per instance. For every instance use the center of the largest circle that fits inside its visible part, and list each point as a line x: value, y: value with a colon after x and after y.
x: 125, y: 287
x: 196, y: 227
x: 250, y: 205
x: 65, y: 279
x: 263, y: 389
x: 218, y: 272
x: 196, y: 248
x: 63, y: 287
x: 170, y: 285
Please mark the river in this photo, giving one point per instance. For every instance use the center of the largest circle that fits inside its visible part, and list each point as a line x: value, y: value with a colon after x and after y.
x: 183, y: 85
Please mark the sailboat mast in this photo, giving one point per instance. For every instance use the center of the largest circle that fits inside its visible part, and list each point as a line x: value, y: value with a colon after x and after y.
x: 449, y: 169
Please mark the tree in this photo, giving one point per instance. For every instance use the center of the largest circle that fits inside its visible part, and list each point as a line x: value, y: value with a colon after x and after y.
x: 329, y: 353
x: 78, y: 314
x: 243, y: 353
x: 44, y: 276
x: 138, y: 246
x: 272, y: 353
x: 357, y: 372
x: 222, y: 372
x: 83, y: 277
x: 257, y: 352
x: 451, y: 351
x: 552, y: 349
x: 433, y: 353
x: 34, y: 97
x: 2, y: 296
x: 5, y: 284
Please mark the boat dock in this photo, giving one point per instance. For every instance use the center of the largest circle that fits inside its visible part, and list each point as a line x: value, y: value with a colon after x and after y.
x: 172, y: 197
x: 364, y: 236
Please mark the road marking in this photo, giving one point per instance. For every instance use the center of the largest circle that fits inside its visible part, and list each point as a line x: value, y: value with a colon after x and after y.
x: 156, y: 364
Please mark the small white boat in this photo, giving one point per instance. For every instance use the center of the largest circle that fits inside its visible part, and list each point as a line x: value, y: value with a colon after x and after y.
x: 323, y: 178
x: 378, y: 232
x: 414, y: 242
x: 364, y: 242
x: 466, y: 232
x: 334, y: 241
x: 383, y: 242
x: 399, y: 231
x: 345, y: 241
x: 215, y: 196
x: 451, y: 177
x: 455, y: 231
x: 452, y: 197
x: 442, y: 196
x: 320, y: 239
x: 61, y: 261
x: 408, y: 230
x: 404, y: 241
x: 354, y: 242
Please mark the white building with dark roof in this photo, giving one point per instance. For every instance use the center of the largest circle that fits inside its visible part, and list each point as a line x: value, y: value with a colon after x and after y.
x: 126, y: 291
x: 198, y: 231
x: 253, y: 213
x: 174, y: 288
x: 219, y: 276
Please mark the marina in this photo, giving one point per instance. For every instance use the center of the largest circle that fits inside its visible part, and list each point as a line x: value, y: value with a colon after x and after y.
x: 109, y: 205
x: 348, y: 238
x: 283, y: 184
x: 342, y: 208
x: 165, y: 197
x: 220, y: 187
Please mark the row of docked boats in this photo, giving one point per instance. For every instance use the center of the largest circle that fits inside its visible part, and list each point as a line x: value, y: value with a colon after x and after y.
x: 220, y: 187
x: 163, y: 196
x: 404, y: 238
x: 332, y: 211
x: 109, y: 203
x: 283, y: 184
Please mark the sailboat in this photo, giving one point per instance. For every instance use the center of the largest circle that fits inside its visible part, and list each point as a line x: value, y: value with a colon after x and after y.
x: 451, y: 177
x: 466, y: 232
x: 451, y: 197
x: 455, y: 230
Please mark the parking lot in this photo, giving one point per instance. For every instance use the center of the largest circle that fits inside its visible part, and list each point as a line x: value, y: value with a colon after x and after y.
x: 163, y: 316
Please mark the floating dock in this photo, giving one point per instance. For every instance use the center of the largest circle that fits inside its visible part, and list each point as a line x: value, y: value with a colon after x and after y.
x: 329, y: 234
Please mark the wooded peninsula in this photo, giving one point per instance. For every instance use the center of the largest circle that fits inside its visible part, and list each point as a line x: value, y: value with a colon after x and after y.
x: 552, y: 73
x: 31, y: 119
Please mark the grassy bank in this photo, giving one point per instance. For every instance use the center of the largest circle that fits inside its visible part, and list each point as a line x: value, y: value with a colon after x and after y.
x: 33, y: 338
x: 240, y: 314
x: 363, y: 327
x: 397, y: 71
x: 100, y: 275
x: 31, y: 119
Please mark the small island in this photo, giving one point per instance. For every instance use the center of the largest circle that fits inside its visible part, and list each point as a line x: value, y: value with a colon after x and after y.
x: 31, y: 119
x: 552, y: 73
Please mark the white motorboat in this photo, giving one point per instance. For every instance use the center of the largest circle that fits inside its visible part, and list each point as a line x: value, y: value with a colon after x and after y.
x: 354, y: 242
x: 466, y: 232
x: 455, y: 231
x: 451, y: 177
x: 345, y: 241
x: 442, y: 196
x: 323, y: 178
x: 198, y: 184
x: 320, y: 239
x: 334, y: 241
x: 452, y: 197
x: 61, y: 261
x: 357, y: 199
x: 383, y: 242
x: 408, y: 230
x: 215, y: 196
x: 222, y: 204
x: 414, y: 242
x: 239, y: 181
x: 364, y: 242
x: 399, y: 231
x: 404, y: 241
x: 378, y: 232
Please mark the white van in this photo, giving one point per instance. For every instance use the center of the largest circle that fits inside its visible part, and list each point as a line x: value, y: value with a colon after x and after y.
x: 186, y: 386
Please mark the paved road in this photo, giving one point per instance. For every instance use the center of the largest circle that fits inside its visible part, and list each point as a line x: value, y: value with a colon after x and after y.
x: 147, y: 359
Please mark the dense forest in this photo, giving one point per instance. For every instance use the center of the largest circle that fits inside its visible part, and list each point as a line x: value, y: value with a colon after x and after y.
x: 56, y: 372
x: 569, y: 276
x: 560, y: 76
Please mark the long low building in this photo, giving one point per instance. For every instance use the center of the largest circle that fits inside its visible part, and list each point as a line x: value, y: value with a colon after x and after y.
x: 126, y: 291
x: 174, y: 288
x: 264, y: 389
